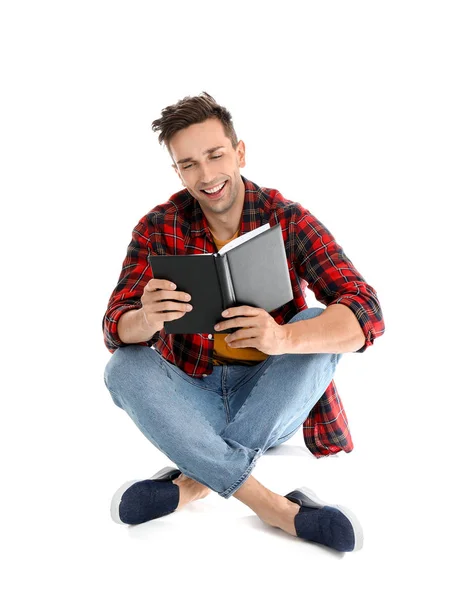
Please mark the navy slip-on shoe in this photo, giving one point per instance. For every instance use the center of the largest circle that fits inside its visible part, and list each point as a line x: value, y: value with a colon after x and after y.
x: 328, y: 524
x: 138, y: 501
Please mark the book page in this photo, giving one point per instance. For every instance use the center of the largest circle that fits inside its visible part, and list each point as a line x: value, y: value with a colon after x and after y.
x: 243, y: 238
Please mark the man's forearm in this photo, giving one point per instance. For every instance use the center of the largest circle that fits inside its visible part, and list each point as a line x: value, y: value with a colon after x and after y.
x: 133, y: 328
x: 335, y: 331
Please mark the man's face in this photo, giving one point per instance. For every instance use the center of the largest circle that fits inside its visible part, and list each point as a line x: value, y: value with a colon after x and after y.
x: 204, y: 160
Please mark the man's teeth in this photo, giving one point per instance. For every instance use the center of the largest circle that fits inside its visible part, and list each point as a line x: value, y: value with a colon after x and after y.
x: 215, y: 189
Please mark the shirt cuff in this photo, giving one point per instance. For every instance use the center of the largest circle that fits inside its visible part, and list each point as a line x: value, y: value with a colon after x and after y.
x: 360, y: 312
x: 110, y: 328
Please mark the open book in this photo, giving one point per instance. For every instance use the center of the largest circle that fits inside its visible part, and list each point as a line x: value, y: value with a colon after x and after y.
x: 250, y: 270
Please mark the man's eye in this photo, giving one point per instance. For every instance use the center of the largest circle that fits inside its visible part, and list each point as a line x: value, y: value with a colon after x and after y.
x: 188, y: 166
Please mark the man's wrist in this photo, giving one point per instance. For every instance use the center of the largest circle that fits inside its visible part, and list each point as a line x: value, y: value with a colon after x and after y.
x: 286, y: 340
x: 145, y: 325
x: 133, y: 327
x: 300, y: 338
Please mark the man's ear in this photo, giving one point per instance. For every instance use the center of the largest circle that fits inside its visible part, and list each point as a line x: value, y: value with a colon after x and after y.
x: 241, y: 153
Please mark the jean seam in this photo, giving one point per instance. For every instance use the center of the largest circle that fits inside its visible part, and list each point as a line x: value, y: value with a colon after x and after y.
x: 289, y: 435
x: 248, y: 377
x: 253, y: 391
x: 200, y: 387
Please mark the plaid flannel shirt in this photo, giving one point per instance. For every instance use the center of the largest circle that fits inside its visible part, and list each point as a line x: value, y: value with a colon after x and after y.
x: 315, y: 261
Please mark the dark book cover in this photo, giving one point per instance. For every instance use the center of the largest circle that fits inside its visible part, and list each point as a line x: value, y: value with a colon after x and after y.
x: 251, y: 270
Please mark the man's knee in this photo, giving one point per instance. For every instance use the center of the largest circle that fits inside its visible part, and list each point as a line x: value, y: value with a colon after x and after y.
x: 120, y: 371
x: 119, y: 366
x: 307, y: 313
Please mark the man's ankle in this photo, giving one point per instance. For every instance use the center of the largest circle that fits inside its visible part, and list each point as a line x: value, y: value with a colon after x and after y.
x: 269, y: 506
x: 189, y: 490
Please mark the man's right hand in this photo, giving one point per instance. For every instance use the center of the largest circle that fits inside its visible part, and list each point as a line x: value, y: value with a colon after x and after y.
x: 159, y: 295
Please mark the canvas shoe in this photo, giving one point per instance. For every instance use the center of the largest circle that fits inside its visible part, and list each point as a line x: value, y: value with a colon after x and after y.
x: 138, y: 501
x: 328, y: 524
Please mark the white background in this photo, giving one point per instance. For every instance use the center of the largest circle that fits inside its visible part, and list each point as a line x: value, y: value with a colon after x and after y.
x: 353, y: 109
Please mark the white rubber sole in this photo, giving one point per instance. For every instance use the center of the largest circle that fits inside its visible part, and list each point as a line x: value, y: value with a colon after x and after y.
x: 358, y: 532
x: 116, y: 500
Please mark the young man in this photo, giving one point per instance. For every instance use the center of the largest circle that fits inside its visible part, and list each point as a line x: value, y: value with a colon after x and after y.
x: 215, y: 403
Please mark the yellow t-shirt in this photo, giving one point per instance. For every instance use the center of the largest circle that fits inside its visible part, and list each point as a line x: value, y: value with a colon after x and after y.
x: 224, y: 354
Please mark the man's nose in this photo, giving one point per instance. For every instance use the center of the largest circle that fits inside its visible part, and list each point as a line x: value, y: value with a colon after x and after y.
x: 206, y: 175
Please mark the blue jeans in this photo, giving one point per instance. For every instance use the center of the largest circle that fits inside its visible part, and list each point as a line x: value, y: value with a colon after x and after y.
x: 215, y: 428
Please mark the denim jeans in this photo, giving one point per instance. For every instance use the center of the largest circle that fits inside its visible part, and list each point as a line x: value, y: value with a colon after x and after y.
x: 215, y: 428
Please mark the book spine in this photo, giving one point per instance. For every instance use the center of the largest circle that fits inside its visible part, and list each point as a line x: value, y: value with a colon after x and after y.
x: 225, y: 280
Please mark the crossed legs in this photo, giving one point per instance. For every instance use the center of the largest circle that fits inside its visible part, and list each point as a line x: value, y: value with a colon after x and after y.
x: 271, y: 508
x: 184, y: 419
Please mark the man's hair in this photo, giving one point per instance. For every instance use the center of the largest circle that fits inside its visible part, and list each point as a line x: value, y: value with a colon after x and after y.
x: 189, y: 111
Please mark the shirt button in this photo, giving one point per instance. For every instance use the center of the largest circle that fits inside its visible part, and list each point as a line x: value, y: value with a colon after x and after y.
x: 210, y: 336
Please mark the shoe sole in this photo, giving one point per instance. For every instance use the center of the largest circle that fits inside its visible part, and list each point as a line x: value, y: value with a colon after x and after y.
x: 358, y: 532
x: 116, y: 500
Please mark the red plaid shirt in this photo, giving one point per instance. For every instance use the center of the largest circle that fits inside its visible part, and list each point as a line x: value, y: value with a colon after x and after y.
x: 315, y: 260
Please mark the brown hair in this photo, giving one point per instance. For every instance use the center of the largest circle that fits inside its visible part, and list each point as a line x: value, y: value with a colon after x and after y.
x: 189, y: 111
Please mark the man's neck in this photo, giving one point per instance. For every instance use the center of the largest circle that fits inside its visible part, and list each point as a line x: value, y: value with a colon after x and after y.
x: 225, y: 233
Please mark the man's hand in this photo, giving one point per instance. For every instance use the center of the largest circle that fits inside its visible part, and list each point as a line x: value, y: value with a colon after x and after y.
x: 260, y: 330
x: 159, y: 296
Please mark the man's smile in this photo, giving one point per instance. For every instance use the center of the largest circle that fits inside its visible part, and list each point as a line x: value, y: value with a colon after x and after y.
x: 216, y: 191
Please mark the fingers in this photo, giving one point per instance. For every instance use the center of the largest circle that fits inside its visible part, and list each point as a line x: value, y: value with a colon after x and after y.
x: 164, y: 290
x: 230, y: 323
x: 241, y: 316
x: 161, y: 303
x: 249, y: 311
x: 163, y: 308
x: 159, y: 284
x: 172, y: 315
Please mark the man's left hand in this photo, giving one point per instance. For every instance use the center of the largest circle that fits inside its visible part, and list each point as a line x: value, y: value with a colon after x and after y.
x: 260, y: 330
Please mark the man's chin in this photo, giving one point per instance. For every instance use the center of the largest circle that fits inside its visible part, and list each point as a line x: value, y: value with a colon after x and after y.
x: 216, y: 206
x: 219, y: 207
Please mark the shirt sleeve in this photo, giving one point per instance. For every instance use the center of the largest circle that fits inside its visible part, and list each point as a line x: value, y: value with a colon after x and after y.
x: 322, y: 263
x: 135, y: 274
